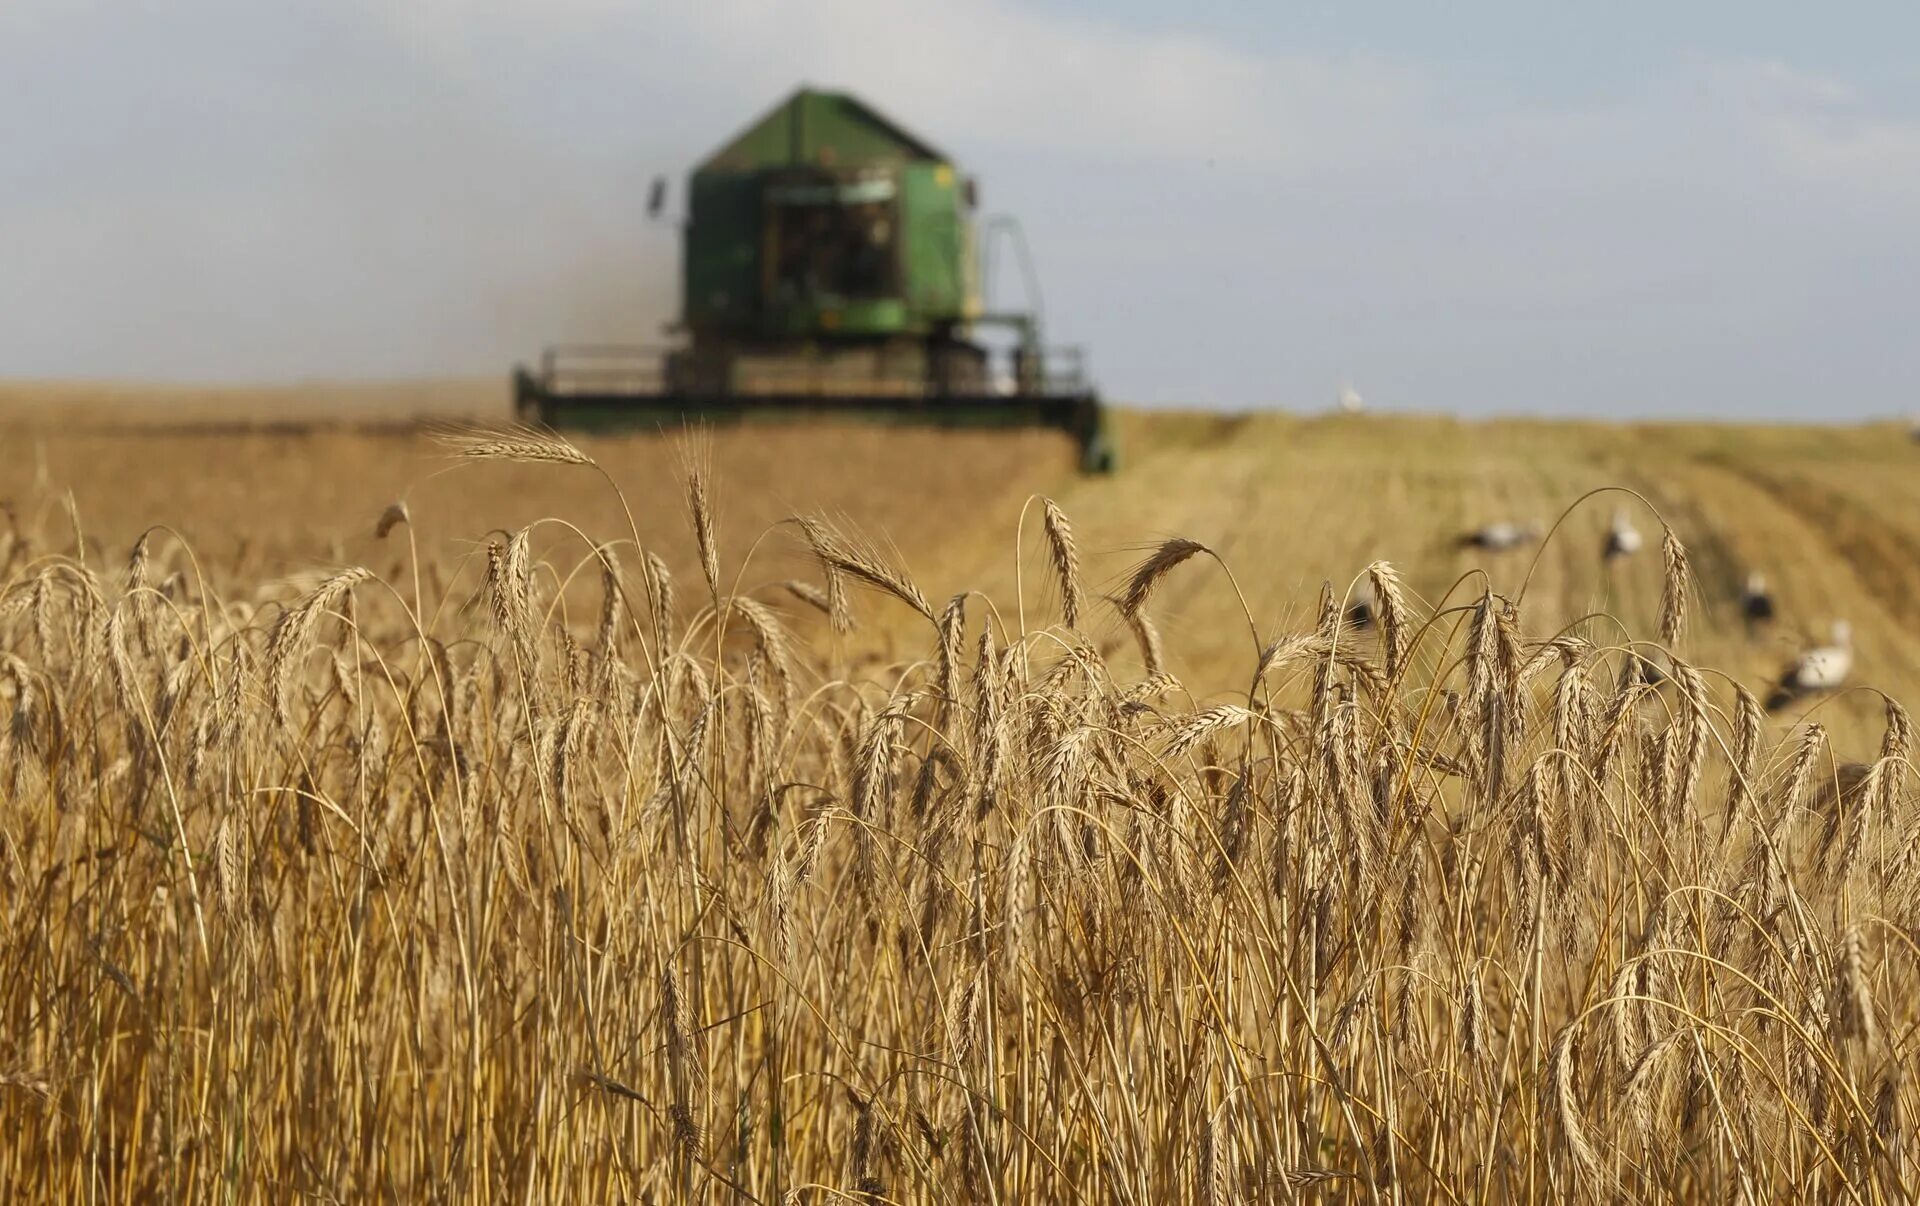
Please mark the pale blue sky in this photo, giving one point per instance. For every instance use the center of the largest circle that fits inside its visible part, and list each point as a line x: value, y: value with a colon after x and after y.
x: 1628, y: 209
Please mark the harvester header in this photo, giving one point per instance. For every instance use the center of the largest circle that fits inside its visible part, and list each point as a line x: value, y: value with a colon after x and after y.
x: 832, y: 263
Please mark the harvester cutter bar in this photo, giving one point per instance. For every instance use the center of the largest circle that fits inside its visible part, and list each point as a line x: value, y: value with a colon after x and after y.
x: 1079, y: 414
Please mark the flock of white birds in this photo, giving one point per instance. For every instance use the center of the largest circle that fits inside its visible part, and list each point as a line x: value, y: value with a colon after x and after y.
x: 1814, y: 671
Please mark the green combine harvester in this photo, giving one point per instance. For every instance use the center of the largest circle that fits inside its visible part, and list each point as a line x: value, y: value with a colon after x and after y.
x: 832, y: 264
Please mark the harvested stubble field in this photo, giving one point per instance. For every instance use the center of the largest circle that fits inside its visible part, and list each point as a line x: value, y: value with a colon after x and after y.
x: 588, y: 831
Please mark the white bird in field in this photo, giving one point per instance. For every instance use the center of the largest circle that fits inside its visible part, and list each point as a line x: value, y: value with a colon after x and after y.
x: 1623, y: 539
x: 1756, y: 602
x: 1502, y: 535
x: 1651, y: 667
x: 1816, y: 670
x: 1349, y: 399
x: 1360, y: 605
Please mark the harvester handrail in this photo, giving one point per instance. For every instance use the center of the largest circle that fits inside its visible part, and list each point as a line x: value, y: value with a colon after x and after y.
x: 575, y: 366
x: 592, y: 350
x: 1066, y: 367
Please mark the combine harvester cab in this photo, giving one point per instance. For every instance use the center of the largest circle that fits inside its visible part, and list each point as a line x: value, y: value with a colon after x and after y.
x: 831, y: 264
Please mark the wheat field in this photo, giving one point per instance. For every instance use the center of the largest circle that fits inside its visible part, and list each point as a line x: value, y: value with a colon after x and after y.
x: 854, y: 814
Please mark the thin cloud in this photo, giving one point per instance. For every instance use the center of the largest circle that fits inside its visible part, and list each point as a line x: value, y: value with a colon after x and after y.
x: 376, y: 189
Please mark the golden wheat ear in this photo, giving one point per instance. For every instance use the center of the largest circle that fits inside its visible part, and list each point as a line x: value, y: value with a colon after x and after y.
x: 1066, y: 562
x: 526, y: 444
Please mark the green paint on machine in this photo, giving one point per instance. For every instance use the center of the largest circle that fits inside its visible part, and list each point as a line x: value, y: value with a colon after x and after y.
x: 831, y: 262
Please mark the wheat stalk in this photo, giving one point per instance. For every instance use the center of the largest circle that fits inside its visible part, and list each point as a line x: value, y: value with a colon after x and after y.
x: 1148, y: 574
x: 1066, y: 561
x: 294, y: 633
x: 1673, y: 588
